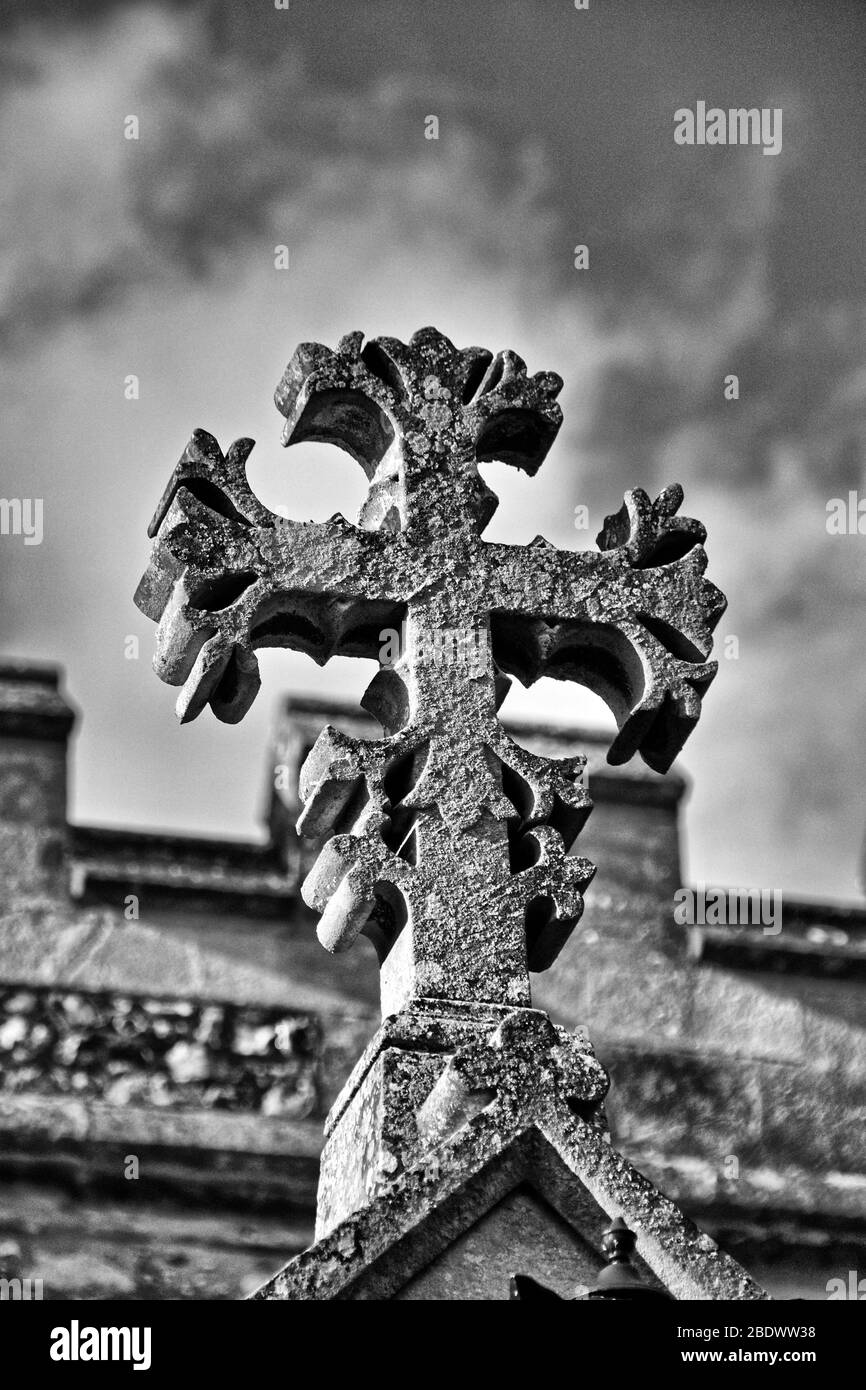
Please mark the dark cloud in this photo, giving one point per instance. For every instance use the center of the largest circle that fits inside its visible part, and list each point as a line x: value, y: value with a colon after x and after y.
x: 260, y: 126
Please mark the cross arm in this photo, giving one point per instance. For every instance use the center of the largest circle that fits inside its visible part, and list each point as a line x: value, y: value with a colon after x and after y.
x: 227, y: 576
x: 633, y: 623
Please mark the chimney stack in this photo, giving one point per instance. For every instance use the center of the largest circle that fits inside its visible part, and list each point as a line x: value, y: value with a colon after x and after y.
x: 35, y: 724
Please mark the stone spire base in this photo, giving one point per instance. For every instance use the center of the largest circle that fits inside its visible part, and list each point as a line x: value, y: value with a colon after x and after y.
x: 470, y: 1142
x: 428, y: 1070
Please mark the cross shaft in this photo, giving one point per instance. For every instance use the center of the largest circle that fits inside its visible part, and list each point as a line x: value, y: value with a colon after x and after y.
x: 448, y: 840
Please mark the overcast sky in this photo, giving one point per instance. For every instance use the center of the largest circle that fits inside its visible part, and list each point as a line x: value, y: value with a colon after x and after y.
x: 305, y: 127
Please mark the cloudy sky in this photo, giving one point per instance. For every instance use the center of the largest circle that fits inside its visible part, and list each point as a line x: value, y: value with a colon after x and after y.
x: 305, y: 126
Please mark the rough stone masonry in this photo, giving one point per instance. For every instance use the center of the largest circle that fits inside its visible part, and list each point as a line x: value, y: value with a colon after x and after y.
x: 448, y: 842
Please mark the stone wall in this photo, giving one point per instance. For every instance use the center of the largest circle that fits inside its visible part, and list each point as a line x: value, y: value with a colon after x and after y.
x: 206, y: 1034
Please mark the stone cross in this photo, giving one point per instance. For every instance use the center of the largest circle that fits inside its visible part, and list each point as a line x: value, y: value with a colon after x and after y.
x: 448, y: 841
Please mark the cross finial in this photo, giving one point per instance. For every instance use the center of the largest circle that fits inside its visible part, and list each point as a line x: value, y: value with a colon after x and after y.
x: 448, y: 840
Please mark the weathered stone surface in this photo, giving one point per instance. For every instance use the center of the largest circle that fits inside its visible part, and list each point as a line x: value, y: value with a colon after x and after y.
x: 224, y: 922
x: 523, y: 1231
x: 31, y: 705
x: 701, y: 1106
x: 162, y: 1052
x: 835, y: 1034
x: 429, y: 1070
x: 764, y: 1019
x: 613, y: 1009
x: 510, y: 1104
x: 799, y: 1125
x: 377, y: 1252
x: 137, y: 1245
x: 449, y: 840
x: 35, y: 723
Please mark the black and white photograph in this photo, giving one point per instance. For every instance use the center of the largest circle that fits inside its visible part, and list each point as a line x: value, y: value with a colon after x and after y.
x: 433, y: 669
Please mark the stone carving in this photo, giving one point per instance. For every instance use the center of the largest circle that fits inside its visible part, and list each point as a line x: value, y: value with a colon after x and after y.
x: 446, y: 843
x: 449, y: 841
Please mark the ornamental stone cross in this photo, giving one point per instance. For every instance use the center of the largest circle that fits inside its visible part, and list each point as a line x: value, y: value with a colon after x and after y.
x: 449, y: 842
